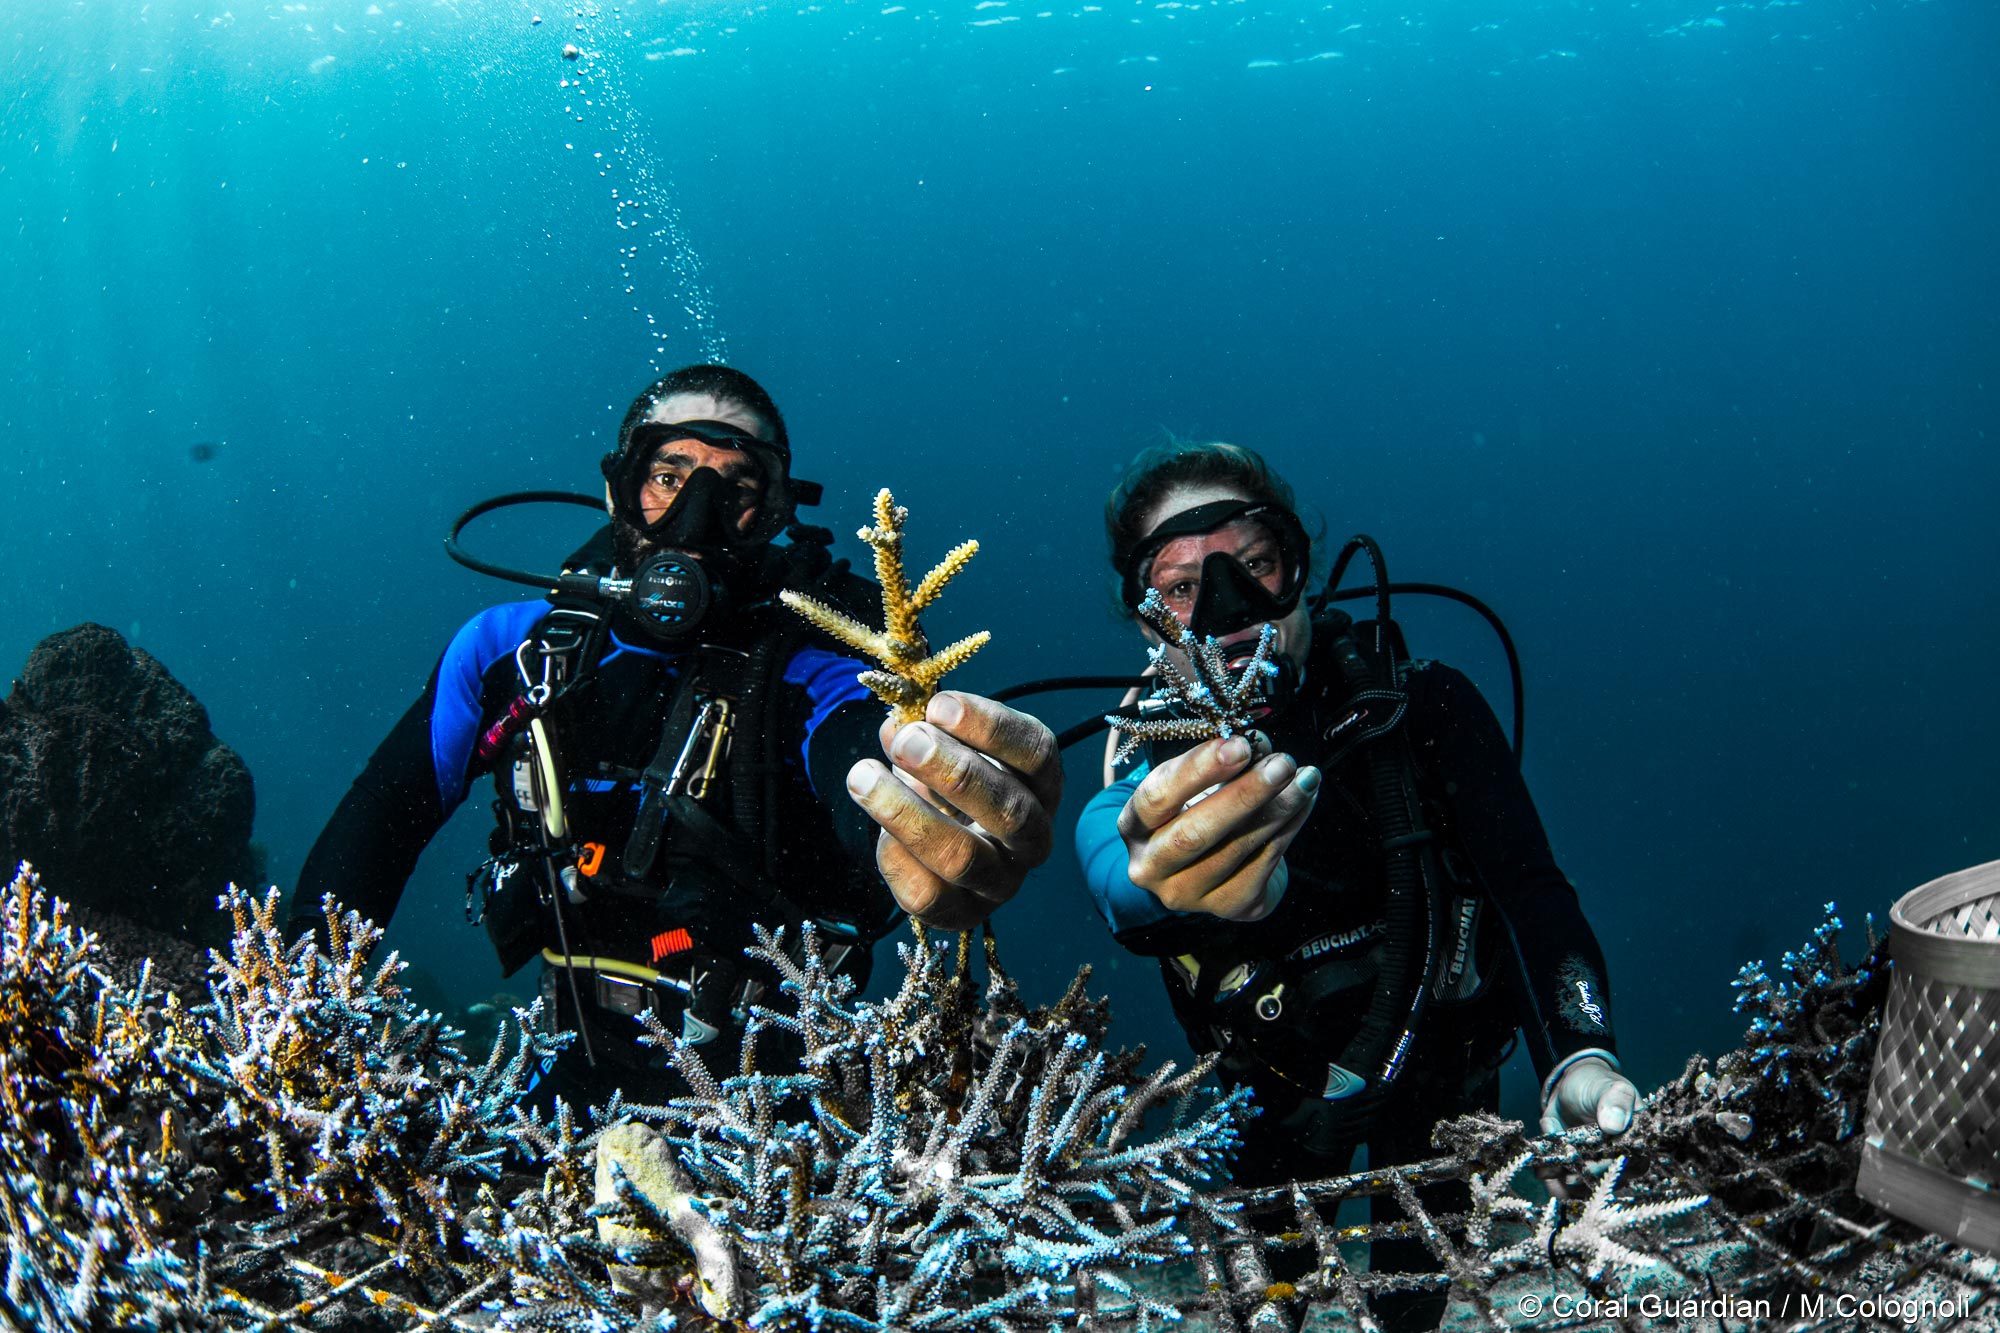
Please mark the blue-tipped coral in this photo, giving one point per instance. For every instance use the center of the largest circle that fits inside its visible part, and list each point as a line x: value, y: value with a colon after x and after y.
x: 91, y: 1141
x: 358, y: 1103
x: 943, y: 1159
x: 1812, y: 1030
x: 1205, y: 701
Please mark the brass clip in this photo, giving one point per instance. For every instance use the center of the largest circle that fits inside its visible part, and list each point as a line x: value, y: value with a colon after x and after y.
x: 722, y: 724
x: 677, y: 781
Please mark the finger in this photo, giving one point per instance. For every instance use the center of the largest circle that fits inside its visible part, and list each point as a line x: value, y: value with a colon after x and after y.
x: 1168, y: 788
x: 888, y: 732
x: 998, y: 798
x: 962, y: 857
x: 1008, y: 735
x: 1251, y: 893
x: 921, y: 893
x: 1243, y: 880
x: 1251, y: 807
x: 1552, y: 1124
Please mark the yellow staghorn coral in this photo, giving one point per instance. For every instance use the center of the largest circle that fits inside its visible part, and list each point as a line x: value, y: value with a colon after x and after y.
x: 912, y: 670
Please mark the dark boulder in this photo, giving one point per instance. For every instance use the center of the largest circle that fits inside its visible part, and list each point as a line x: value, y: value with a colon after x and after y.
x: 112, y: 784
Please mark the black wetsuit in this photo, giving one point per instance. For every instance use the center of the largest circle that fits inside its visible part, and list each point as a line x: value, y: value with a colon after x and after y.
x: 1539, y: 971
x: 688, y: 915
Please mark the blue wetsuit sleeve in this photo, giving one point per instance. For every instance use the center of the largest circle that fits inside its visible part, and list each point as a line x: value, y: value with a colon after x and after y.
x: 1128, y: 909
x: 841, y: 725
x: 417, y: 776
x: 456, y: 713
x: 830, y: 682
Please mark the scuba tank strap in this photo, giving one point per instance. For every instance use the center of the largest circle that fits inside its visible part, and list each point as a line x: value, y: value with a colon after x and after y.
x: 678, y: 736
x: 756, y: 771
x: 1372, y: 703
x: 725, y: 851
x: 1367, y: 1068
x: 554, y: 659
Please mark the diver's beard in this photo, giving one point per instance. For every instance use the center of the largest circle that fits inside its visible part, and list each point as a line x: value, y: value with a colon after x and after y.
x: 629, y: 547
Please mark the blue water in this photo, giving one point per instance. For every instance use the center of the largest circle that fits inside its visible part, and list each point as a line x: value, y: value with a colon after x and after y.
x: 1668, y: 329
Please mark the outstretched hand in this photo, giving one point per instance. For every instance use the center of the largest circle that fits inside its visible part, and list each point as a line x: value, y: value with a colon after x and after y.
x: 1224, y: 854
x: 973, y: 813
x: 1591, y: 1092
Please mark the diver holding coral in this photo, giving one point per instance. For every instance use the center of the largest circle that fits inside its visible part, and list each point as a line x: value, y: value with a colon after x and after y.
x: 1355, y: 902
x: 669, y: 746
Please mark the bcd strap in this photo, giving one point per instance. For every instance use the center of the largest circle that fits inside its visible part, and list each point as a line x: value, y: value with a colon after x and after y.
x: 1368, y: 1066
x: 723, y: 850
x: 649, y: 824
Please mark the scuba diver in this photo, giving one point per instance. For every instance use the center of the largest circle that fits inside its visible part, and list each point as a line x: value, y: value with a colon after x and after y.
x: 1355, y: 904
x: 675, y: 756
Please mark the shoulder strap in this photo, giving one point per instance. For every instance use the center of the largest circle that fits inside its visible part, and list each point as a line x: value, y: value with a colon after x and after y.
x: 649, y: 822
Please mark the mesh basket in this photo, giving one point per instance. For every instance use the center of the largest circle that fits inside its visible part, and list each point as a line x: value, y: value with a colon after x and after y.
x: 1932, y: 1155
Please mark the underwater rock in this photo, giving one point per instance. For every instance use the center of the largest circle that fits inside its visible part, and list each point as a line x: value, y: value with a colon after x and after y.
x: 113, y: 784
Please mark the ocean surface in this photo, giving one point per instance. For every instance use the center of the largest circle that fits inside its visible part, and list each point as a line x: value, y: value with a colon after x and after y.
x: 1668, y: 328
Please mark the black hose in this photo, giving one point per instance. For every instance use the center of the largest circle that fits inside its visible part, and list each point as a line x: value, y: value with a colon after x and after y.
x: 1355, y: 544
x: 1467, y: 599
x: 1082, y: 731
x: 1013, y: 692
x: 487, y: 567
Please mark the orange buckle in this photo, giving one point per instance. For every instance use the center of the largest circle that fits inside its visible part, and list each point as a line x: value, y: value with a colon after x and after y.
x: 592, y: 858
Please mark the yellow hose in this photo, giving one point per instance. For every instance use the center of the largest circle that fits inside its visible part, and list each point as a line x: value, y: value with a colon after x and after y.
x: 550, y: 795
x: 615, y: 966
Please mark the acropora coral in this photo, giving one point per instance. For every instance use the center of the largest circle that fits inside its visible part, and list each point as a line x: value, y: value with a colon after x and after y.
x: 310, y: 1150
x: 1203, y: 702
x: 911, y: 671
x: 354, y: 1101
x: 94, y: 1139
x: 946, y: 1158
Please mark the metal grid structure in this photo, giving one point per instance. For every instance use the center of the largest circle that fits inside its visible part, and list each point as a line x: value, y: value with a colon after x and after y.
x: 1770, y: 1248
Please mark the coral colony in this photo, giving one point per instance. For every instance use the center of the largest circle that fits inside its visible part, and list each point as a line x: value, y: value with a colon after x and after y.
x: 912, y: 671
x: 1201, y: 703
x: 944, y: 1159
x: 310, y: 1151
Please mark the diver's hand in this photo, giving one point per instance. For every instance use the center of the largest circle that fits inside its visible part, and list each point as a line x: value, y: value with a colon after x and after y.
x: 1590, y: 1092
x: 1223, y: 855
x: 993, y: 778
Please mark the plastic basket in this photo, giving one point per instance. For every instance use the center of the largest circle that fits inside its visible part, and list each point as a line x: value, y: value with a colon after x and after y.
x: 1932, y: 1153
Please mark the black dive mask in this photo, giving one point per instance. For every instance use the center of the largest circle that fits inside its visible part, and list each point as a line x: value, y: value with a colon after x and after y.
x: 1231, y: 597
x: 693, y: 563
x: 712, y: 519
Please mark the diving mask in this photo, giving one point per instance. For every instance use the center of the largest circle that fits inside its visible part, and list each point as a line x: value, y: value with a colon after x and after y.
x: 1230, y: 596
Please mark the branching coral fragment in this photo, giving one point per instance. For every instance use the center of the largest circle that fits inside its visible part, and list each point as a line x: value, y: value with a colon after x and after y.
x: 360, y: 1101
x: 1592, y: 1236
x: 912, y: 671
x: 1202, y: 703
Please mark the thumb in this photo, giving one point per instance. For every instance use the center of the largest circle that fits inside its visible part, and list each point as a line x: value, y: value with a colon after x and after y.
x: 1614, y: 1109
